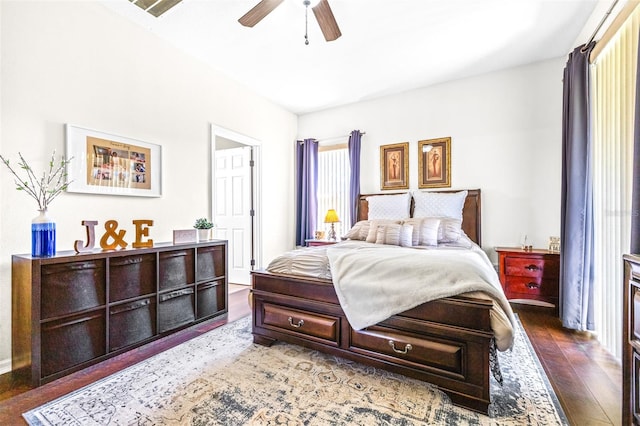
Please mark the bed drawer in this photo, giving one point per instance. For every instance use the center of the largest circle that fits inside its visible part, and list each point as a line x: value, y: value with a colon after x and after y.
x: 295, y: 321
x: 411, y: 350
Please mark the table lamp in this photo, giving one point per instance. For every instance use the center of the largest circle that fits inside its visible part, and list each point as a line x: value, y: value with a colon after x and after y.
x: 332, y: 217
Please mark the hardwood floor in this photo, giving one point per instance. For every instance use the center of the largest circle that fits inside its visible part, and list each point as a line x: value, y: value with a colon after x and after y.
x: 586, y: 378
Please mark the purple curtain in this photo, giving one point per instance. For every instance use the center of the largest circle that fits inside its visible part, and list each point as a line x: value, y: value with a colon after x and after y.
x: 306, y: 189
x: 354, y: 185
x: 576, y: 223
x: 635, y: 200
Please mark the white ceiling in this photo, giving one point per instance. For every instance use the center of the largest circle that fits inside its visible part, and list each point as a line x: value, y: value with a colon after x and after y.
x: 387, y: 46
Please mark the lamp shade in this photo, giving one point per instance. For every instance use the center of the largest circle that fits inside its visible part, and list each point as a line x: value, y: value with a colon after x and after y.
x: 331, y: 217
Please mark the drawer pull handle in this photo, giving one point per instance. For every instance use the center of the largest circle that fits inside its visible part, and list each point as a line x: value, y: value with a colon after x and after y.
x: 398, y: 351
x: 298, y: 325
x: 533, y: 285
x: 531, y: 268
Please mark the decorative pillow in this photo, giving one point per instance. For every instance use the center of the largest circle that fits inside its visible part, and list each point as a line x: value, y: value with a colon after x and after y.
x: 406, y: 234
x: 439, y: 204
x: 450, y: 230
x: 372, y: 232
x: 425, y: 231
x: 393, y: 207
x: 394, y: 234
x: 359, y: 231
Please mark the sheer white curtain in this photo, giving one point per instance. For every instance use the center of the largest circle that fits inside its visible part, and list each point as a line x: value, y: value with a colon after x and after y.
x: 614, y: 77
x: 333, y: 185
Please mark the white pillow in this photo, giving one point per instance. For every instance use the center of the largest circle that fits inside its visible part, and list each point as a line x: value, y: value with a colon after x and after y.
x: 439, y: 204
x: 450, y: 230
x: 425, y: 230
x: 393, y: 207
x: 394, y: 234
x: 372, y: 233
x: 406, y: 233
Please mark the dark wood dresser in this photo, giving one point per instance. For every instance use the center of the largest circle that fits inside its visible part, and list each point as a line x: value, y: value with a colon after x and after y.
x: 529, y: 274
x: 72, y: 310
x: 631, y: 341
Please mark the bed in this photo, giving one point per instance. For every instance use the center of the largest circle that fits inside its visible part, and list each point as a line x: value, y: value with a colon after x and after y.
x: 449, y: 342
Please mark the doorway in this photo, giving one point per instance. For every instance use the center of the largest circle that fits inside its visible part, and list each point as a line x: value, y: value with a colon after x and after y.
x: 235, y: 199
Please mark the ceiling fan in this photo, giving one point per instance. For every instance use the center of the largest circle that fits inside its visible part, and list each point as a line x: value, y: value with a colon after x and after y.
x: 322, y: 10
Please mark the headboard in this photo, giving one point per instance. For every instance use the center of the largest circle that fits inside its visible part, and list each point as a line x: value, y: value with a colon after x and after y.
x: 471, y: 212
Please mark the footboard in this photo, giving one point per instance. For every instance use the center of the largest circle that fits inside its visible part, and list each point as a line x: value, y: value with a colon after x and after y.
x: 443, y: 342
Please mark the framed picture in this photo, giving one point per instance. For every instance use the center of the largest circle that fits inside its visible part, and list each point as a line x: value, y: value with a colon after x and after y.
x: 434, y: 163
x: 394, y: 166
x: 114, y: 165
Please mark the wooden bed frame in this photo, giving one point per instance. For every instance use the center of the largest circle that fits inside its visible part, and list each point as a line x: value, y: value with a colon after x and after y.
x: 444, y: 342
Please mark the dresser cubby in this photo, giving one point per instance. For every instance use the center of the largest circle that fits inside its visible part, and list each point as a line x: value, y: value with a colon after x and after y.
x: 176, y: 269
x: 131, y: 322
x: 132, y: 276
x: 176, y: 309
x: 73, y: 310
x: 211, y: 298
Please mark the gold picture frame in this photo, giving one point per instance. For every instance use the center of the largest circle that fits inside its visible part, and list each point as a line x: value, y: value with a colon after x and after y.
x: 108, y: 164
x: 434, y: 163
x: 394, y: 166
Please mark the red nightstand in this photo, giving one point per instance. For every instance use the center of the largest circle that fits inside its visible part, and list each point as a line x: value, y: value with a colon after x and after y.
x: 529, y: 274
x: 313, y: 242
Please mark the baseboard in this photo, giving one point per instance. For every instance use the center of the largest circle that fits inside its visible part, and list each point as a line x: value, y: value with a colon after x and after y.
x: 5, y: 365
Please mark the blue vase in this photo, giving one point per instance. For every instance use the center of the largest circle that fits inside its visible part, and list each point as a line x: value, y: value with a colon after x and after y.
x: 43, y: 236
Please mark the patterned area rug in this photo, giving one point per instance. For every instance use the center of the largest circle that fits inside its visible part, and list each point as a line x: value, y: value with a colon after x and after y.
x: 222, y: 378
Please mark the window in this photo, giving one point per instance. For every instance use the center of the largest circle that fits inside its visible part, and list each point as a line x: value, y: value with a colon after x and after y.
x: 613, y: 76
x: 334, y: 173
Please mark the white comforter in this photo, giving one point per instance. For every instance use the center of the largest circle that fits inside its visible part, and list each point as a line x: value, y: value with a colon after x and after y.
x: 376, y: 281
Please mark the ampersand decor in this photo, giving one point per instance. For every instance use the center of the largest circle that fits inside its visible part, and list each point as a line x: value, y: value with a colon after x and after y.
x: 118, y: 237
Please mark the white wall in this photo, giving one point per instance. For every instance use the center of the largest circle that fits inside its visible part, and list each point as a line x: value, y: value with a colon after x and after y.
x: 78, y: 62
x: 506, y: 140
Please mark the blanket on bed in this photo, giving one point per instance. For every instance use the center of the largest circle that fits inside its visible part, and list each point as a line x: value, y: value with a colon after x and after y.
x: 396, y: 279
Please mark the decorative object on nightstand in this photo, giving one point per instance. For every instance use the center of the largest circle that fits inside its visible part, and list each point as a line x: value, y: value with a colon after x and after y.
x: 203, y: 225
x: 554, y: 244
x: 525, y: 246
x: 530, y: 275
x: 332, y: 218
x: 52, y: 183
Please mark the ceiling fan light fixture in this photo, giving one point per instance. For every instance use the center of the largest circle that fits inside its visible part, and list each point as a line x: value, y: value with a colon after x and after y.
x: 309, y: 3
x: 320, y: 8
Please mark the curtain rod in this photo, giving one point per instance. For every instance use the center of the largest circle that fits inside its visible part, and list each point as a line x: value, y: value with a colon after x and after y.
x: 338, y: 137
x: 613, y: 28
x: 602, y: 21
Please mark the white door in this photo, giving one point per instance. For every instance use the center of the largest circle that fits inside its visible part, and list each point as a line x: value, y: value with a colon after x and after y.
x: 232, y: 209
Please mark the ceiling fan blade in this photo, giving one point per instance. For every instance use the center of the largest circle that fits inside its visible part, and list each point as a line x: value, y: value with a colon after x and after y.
x: 326, y: 20
x: 258, y: 12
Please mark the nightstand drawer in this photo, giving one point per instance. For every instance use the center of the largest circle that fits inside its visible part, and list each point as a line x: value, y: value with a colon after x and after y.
x: 529, y: 285
x: 524, y: 267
